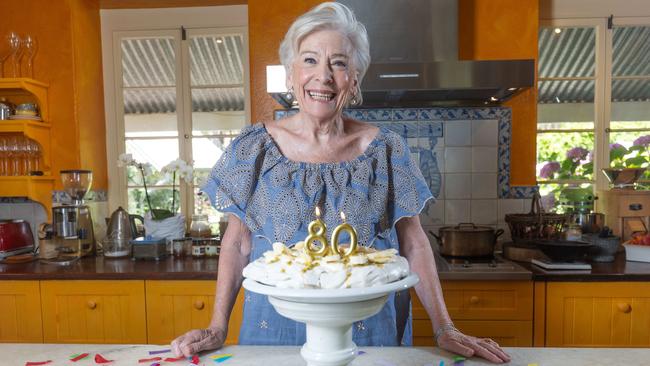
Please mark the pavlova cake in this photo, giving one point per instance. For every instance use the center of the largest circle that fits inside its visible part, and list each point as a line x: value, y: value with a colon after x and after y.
x: 293, y: 267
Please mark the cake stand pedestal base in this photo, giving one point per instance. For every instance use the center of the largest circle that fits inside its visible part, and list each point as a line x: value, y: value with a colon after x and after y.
x: 328, y: 327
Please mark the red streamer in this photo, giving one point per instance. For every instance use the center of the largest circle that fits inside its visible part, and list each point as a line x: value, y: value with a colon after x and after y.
x: 31, y: 363
x: 172, y: 359
x: 100, y: 359
x: 150, y: 359
x: 79, y: 357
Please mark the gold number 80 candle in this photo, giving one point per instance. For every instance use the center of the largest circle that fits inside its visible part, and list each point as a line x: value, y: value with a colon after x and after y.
x: 334, y: 244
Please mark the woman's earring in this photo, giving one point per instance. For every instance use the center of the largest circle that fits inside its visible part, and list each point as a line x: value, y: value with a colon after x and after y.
x: 354, y: 100
x: 289, y: 94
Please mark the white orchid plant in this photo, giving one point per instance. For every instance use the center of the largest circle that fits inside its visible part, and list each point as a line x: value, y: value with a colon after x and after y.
x: 176, y: 167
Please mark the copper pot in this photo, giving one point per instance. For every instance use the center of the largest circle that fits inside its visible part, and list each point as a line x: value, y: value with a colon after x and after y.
x: 467, y: 240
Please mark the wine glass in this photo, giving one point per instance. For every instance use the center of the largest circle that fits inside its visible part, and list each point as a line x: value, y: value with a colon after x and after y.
x: 4, y: 152
x: 14, y: 45
x: 31, y: 46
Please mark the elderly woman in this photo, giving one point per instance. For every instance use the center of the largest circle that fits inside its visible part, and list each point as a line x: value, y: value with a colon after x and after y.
x: 275, y: 173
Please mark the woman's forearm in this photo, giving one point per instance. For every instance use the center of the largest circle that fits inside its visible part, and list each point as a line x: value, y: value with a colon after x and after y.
x: 233, y: 257
x: 415, y: 246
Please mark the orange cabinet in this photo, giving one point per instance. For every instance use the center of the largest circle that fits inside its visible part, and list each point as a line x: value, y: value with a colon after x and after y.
x: 93, y: 311
x: 502, y: 310
x: 174, y: 307
x: 20, y: 317
x: 598, y: 314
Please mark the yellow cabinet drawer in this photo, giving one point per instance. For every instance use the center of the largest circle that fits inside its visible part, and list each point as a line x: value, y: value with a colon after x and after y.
x: 93, y: 311
x: 20, y: 314
x: 598, y: 314
x: 483, y: 300
x: 510, y: 333
x: 174, y: 307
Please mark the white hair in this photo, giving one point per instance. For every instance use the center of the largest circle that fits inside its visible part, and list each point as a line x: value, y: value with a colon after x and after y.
x: 329, y: 16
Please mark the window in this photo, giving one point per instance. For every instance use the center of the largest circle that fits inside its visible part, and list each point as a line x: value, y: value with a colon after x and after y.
x: 178, y: 93
x: 593, y: 104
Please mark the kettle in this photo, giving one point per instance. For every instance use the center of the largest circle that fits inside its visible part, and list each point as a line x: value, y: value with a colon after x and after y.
x: 121, y: 225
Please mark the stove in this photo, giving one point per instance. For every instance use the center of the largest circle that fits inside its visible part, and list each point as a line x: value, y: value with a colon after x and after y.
x: 480, y: 268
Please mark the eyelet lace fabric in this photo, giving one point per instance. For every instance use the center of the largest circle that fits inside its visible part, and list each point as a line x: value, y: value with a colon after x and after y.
x: 254, y: 181
x: 275, y: 197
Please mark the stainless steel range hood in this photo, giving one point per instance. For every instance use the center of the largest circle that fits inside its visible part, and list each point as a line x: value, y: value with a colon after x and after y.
x: 413, y: 46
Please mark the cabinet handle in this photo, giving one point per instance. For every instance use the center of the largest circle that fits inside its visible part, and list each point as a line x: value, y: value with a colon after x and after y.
x: 474, y: 300
x: 91, y: 304
x: 199, y: 305
x: 624, y: 307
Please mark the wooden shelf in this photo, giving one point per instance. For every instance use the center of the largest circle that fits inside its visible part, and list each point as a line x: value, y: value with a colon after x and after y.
x: 34, y: 187
x: 24, y: 90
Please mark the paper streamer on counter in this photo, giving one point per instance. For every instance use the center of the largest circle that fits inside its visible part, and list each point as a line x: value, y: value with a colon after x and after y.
x: 100, y: 359
x: 37, y: 363
x: 79, y: 356
x: 159, y: 351
x: 143, y: 360
x: 219, y: 358
x: 174, y: 359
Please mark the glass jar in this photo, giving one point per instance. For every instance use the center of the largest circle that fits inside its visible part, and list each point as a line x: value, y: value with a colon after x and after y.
x: 198, y: 247
x: 178, y: 247
x: 573, y: 232
x: 200, y: 227
x: 212, y: 247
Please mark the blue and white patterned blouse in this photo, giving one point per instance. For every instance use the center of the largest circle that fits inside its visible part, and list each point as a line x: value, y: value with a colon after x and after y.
x: 276, y: 197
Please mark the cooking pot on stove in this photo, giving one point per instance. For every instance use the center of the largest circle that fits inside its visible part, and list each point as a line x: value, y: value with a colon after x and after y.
x: 467, y: 240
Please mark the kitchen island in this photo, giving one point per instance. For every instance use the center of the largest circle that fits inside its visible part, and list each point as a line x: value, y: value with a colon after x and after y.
x: 59, y: 354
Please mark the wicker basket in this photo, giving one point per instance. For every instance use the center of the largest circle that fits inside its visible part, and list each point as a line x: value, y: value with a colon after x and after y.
x: 536, y: 224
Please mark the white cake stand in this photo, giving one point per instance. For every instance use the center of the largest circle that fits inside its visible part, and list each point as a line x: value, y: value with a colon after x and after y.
x: 329, y: 314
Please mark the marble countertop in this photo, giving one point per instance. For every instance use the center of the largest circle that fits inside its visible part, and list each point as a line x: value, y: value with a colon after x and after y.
x: 19, y: 354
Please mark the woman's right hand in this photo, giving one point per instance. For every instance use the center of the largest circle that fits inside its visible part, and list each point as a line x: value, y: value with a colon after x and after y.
x: 198, y: 340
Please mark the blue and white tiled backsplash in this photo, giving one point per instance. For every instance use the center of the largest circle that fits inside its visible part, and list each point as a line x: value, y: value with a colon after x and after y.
x: 464, y: 154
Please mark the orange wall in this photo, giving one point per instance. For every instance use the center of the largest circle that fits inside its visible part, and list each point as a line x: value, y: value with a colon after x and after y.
x: 68, y: 59
x: 268, y: 21
x: 506, y: 29
x: 89, y: 90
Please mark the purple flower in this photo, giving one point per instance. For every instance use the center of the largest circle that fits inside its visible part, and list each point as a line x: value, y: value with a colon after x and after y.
x: 549, y: 169
x: 590, y: 157
x: 616, y: 145
x: 577, y: 153
x: 548, y: 202
x: 642, y: 141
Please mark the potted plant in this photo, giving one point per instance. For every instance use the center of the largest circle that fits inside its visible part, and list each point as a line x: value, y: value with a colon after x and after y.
x: 162, y: 222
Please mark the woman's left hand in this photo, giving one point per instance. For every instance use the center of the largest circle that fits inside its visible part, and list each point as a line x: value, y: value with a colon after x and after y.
x: 454, y: 341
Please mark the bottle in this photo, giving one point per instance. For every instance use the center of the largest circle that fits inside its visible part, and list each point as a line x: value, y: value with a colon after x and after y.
x: 211, y: 247
x: 198, y: 247
x: 200, y: 227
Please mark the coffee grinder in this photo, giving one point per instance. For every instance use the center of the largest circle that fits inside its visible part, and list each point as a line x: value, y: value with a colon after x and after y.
x: 72, y: 225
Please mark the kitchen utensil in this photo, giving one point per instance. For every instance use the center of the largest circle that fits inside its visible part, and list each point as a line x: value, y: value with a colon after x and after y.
x: 119, y: 225
x: 72, y: 223
x: 605, y: 247
x: 149, y: 248
x: 467, y: 240
x: 6, y: 109
x: 622, y: 177
x: 28, y: 109
x: 15, y: 237
x: 522, y: 252
x: 589, y: 222
x: 536, y: 224
x: 563, y: 250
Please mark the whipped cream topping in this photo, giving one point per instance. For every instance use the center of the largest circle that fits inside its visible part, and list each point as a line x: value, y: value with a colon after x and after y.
x: 292, y: 268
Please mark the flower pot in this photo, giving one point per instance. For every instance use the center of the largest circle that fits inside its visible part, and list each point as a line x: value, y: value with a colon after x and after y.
x: 169, y: 228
